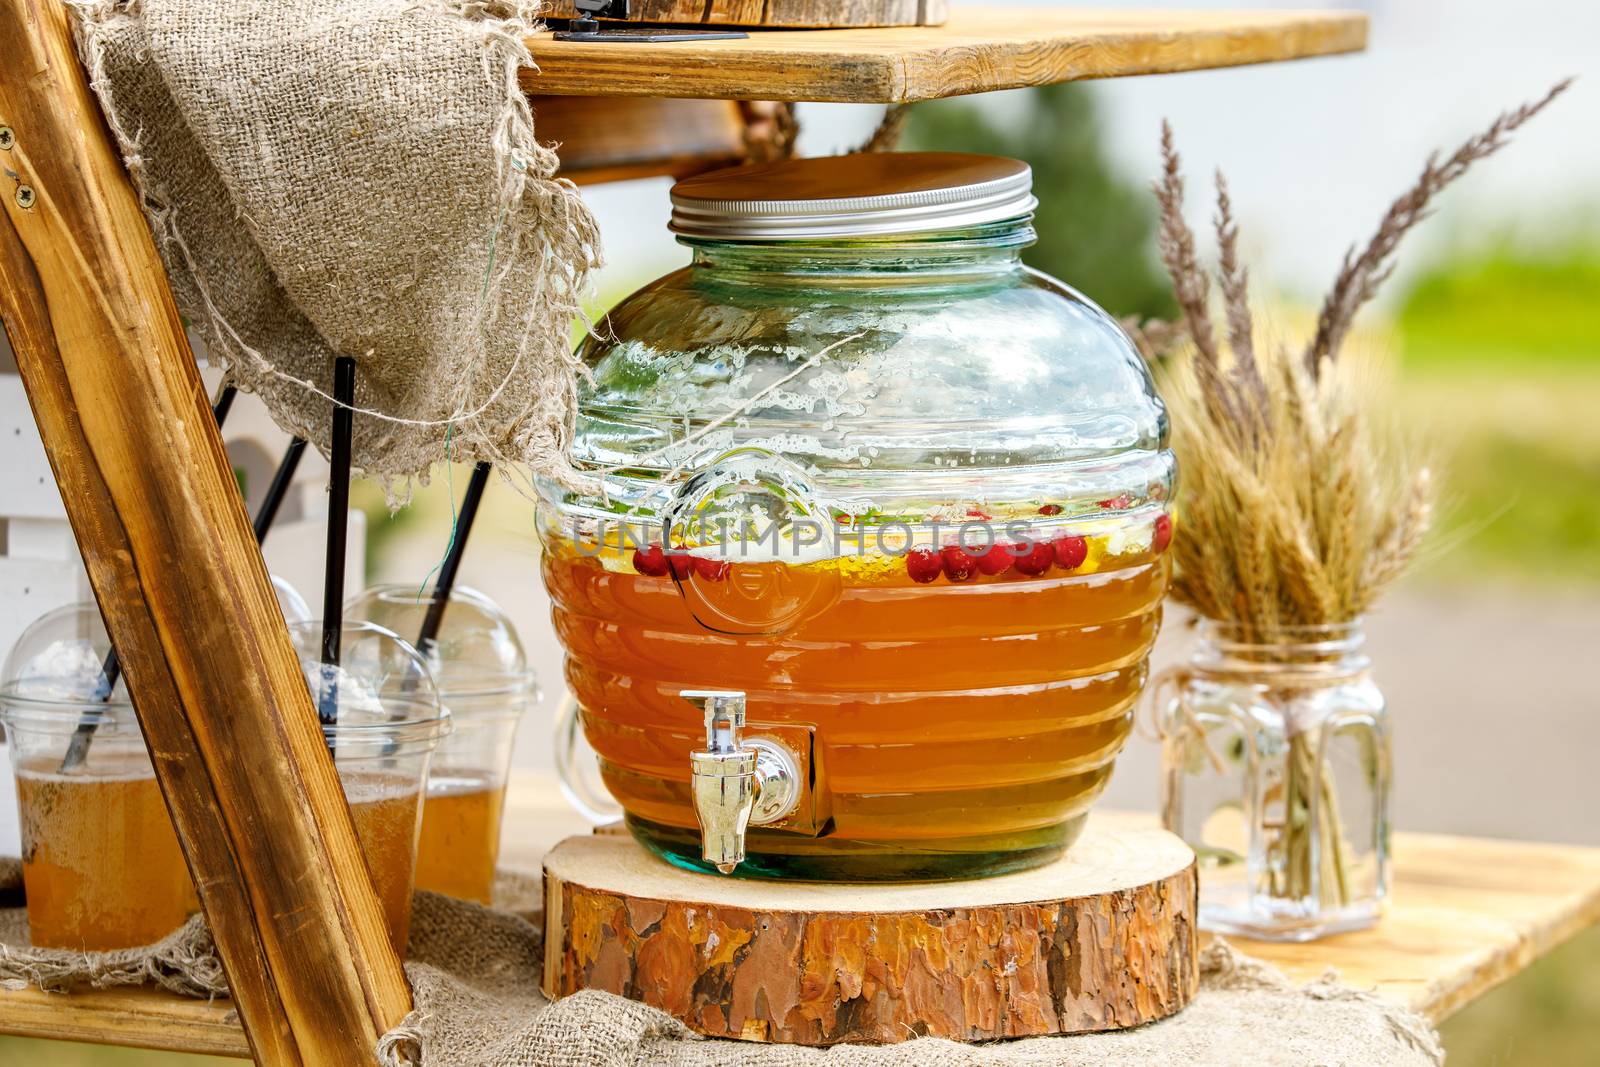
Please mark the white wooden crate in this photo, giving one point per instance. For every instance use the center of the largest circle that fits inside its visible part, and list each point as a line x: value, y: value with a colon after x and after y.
x: 39, y: 564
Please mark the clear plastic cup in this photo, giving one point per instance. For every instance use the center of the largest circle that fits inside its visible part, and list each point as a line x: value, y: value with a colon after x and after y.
x: 481, y: 670
x: 386, y: 723
x: 100, y: 861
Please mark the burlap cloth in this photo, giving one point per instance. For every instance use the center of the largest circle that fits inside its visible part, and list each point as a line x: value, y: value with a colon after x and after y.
x: 475, y: 976
x: 360, y: 178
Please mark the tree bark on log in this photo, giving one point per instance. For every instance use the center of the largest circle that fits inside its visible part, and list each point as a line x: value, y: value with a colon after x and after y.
x: 1104, y: 939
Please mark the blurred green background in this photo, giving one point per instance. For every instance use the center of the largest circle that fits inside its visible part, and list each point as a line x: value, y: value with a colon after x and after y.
x: 1500, y: 362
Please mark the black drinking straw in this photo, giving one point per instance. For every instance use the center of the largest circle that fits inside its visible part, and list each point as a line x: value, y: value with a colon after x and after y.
x: 452, y: 559
x: 282, y: 478
x: 344, y: 398
x: 224, y: 404
x: 111, y: 670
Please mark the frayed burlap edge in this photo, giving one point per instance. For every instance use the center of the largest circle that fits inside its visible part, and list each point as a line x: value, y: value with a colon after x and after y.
x: 184, y: 962
x: 541, y: 220
x: 480, y: 1006
x: 1221, y: 967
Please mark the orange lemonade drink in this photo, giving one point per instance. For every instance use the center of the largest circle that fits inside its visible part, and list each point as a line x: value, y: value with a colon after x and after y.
x: 100, y: 861
x: 460, y: 834
x: 944, y: 704
x: 385, y: 811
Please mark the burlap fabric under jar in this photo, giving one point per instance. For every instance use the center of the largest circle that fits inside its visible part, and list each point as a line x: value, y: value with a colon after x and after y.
x: 475, y: 972
x: 359, y: 178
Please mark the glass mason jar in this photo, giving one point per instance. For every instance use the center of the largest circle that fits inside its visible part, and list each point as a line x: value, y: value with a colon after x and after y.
x: 1276, y: 770
x: 477, y: 662
x: 101, y: 865
x: 382, y: 719
x: 871, y: 555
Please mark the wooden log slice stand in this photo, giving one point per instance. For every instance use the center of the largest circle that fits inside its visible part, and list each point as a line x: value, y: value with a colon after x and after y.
x: 1103, y: 939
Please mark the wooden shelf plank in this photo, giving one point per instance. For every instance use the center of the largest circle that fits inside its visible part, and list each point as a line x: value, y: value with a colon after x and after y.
x: 1466, y: 914
x: 979, y: 49
x: 131, y: 1015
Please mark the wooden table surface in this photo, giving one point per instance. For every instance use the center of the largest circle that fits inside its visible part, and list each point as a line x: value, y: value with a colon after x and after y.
x: 981, y: 48
x: 1466, y: 914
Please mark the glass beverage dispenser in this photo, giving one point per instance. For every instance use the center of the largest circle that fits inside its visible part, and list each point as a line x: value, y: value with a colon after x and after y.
x: 870, y: 555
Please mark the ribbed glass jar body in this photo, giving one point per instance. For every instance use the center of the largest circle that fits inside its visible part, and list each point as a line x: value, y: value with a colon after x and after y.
x: 822, y: 426
x: 1276, y: 769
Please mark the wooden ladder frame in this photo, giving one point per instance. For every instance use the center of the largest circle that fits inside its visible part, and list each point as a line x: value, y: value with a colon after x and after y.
x: 152, y: 500
x: 176, y: 569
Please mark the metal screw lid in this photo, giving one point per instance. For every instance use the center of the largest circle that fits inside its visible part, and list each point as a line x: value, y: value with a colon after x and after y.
x: 867, y: 194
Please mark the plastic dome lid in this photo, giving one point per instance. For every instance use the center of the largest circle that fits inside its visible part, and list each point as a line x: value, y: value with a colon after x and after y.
x: 60, y: 657
x: 59, y: 661
x: 380, y: 685
x: 476, y: 653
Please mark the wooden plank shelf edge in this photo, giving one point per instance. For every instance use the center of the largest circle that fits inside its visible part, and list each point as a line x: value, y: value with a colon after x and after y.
x: 978, y: 50
x: 136, y: 1016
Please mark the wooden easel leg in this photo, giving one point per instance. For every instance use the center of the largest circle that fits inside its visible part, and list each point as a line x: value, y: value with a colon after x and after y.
x: 174, y: 564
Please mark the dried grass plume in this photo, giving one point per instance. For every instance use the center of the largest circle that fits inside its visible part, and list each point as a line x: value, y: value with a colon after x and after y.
x: 1301, y: 501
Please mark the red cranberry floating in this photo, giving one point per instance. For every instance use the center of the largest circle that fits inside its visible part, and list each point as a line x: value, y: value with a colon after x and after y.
x: 1070, y: 551
x: 1050, y: 509
x: 923, y: 565
x: 681, y: 563
x: 979, y: 514
x: 997, y: 560
x: 1037, y: 560
x: 959, y: 564
x: 1162, y: 537
x: 1120, y: 502
x: 650, y: 561
x: 712, y: 570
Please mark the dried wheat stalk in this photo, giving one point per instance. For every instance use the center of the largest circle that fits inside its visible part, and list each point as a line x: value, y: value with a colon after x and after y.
x: 1190, y: 283
x: 1301, y: 502
x: 891, y: 127
x: 771, y: 130
x: 1360, y: 276
x: 1154, y: 338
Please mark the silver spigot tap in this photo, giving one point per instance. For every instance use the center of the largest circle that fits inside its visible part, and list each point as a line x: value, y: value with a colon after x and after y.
x: 736, y: 782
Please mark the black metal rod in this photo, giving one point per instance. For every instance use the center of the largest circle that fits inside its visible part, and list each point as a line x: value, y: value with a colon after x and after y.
x: 111, y: 670
x: 282, y: 479
x: 224, y: 404
x: 344, y: 398
x: 434, y: 618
